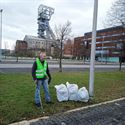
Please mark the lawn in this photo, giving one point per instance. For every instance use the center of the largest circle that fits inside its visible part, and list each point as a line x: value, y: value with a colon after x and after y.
x: 17, y: 93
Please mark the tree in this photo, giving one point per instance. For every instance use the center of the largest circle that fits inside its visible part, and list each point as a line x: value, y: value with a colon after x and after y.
x: 62, y: 32
x: 116, y: 17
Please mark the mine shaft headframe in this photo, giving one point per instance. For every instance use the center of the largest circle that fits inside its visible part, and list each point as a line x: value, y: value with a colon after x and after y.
x: 45, y: 12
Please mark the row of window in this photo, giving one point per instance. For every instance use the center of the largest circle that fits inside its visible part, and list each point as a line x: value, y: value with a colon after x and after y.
x: 105, y: 47
x: 106, y: 52
x: 110, y: 35
x: 113, y: 41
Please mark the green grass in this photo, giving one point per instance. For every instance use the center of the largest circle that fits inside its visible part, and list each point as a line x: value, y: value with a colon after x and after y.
x: 17, y: 93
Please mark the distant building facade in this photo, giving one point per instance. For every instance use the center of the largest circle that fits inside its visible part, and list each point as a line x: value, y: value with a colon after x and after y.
x: 21, y: 48
x: 110, y: 44
x: 5, y: 52
x: 21, y: 45
x: 33, y: 44
x: 36, y: 44
x: 81, y: 48
x: 68, y: 49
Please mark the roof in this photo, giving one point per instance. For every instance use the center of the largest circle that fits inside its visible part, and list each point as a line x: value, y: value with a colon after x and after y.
x: 107, y: 29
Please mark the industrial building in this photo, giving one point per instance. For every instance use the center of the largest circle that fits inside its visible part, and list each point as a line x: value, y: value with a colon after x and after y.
x: 45, y: 39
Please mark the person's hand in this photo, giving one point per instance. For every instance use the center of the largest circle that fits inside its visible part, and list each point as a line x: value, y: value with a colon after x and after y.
x: 49, y: 80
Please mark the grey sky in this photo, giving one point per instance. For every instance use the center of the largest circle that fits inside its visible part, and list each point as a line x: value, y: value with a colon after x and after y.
x: 20, y: 17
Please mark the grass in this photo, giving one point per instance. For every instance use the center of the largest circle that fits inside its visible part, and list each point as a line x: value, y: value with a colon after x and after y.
x: 17, y: 93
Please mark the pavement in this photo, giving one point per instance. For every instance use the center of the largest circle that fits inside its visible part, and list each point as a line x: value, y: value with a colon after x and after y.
x: 105, y: 113
x: 25, y: 65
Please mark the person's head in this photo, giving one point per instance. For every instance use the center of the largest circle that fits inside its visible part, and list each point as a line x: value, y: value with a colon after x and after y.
x: 42, y: 55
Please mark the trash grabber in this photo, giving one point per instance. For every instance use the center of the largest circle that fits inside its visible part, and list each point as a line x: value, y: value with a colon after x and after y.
x: 42, y: 108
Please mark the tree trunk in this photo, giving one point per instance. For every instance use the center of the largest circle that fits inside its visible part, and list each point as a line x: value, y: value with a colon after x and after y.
x: 17, y: 59
x: 84, y: 59
x: 120, y: 63
x: 60, y: 59
x: 60, y: 65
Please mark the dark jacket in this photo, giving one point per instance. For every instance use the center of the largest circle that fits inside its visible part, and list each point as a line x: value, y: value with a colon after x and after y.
x: 34, y: 67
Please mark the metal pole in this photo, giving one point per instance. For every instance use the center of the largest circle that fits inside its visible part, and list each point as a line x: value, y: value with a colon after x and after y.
x: 102, y: 50
x: 1, y: 10
x: 92, y: 61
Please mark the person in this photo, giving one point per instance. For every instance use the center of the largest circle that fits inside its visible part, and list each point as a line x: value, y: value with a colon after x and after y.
x: 41, y: 76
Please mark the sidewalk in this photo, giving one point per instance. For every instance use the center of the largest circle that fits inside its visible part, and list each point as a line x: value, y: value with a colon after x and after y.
x: 106, y: 113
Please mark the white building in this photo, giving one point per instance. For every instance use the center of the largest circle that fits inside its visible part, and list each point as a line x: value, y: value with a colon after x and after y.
x: 34, y: 42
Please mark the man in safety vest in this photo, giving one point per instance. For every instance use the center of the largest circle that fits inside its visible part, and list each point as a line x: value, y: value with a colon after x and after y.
x: 40, y: 73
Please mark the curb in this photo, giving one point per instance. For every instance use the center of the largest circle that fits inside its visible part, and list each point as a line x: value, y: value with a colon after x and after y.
x: 27, y: 122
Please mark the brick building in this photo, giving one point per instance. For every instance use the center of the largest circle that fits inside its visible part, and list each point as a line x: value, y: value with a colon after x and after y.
x: 21, y: 48
x: 21, y: 45
x: 81, y: 49
x: 68, y: 49
x: 110, y: 44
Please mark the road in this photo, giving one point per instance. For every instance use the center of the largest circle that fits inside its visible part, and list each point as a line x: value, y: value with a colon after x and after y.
x: 21, y: 67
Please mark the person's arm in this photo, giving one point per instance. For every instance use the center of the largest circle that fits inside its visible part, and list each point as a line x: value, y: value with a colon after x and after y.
x: 34, y: 71
x: 49, y: 75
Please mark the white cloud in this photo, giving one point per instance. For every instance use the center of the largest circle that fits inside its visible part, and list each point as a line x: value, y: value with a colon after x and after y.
x: 20, y: 16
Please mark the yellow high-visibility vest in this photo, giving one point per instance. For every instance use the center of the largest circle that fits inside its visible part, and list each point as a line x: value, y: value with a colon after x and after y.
x: 41, y: 69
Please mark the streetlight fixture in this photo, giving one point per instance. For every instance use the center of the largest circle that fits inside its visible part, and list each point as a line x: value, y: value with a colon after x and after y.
x: 92, y: 61
x: 1, y: 10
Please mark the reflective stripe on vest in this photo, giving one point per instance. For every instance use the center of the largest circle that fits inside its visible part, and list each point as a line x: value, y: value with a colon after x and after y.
x: 41, y: 69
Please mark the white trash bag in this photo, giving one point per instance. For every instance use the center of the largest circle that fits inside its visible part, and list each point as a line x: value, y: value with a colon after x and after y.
x: 61, y: 92
x: 83, y: 95
x: 73, y: 90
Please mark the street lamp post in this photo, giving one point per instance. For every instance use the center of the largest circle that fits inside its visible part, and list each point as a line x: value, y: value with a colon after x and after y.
x: 1, y: 10
x: 92, y: 61
x: 102, y: 50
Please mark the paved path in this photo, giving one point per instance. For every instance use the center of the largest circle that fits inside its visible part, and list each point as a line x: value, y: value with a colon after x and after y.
x: 106, y: 114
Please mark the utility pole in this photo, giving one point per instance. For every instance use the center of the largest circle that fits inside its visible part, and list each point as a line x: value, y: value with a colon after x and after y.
x: 93, y: 45
x: 102, y: 49
x: 1, y: 10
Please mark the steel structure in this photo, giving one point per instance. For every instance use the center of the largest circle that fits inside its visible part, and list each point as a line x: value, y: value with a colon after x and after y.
x: 44, y: 16
x: 1, y: 10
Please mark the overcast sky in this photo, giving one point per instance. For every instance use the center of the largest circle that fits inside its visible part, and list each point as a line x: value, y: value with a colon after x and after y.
x: 20, y: 17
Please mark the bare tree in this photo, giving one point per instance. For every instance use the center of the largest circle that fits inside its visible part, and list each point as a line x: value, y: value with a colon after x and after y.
x: 62, y: 33
x: 116, y: 17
